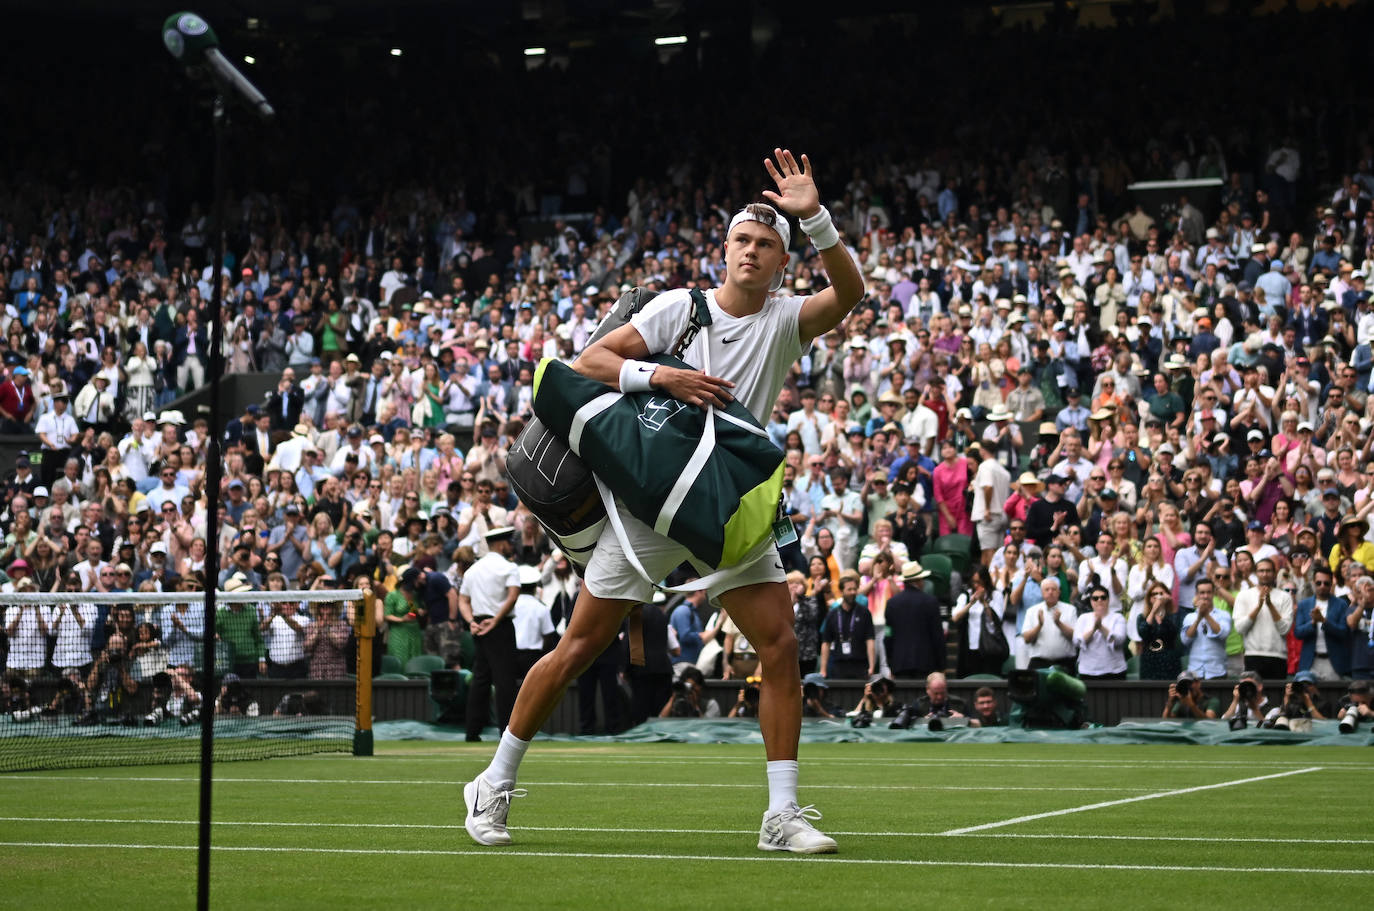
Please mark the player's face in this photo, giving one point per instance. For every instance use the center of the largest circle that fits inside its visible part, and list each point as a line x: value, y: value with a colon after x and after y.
x: 753, y: 255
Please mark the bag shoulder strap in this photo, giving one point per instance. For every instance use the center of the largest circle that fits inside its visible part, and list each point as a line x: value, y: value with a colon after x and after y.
x: 698, y: 317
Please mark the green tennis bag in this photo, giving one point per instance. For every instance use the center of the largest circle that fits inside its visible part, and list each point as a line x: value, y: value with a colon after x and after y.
x: 708, y: 478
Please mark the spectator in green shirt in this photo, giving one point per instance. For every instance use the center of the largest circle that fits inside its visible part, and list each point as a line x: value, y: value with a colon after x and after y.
x: 401, y: 612
x: 1166, y: 404
x: 237, y: 626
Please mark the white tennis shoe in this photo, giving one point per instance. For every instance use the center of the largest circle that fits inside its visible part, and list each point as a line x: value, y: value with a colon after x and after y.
x: 487, y: 808
x: 791, y: 830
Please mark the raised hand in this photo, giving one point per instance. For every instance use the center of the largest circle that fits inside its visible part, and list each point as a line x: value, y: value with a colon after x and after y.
x: 796, y: 194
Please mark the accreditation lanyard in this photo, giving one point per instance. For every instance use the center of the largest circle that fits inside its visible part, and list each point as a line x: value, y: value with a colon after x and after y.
x: 847, y: 636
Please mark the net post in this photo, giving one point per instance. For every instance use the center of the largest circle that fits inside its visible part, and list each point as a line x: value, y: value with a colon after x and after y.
x: 366, y: 627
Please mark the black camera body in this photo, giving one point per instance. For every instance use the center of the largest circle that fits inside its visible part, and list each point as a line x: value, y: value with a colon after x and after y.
x: 1248, y: 690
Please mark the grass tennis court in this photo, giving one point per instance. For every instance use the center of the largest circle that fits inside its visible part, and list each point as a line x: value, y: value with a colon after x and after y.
x: 674, y: 826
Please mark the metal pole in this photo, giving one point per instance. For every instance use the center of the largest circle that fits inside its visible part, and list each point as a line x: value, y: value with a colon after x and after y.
x: 213, y: 474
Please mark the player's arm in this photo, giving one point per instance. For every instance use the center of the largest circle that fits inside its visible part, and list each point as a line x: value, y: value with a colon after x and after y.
x: 797, y: 196
x: 617, y: 360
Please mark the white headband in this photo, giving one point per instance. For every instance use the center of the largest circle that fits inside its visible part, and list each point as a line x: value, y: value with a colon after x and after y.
x: 778, y: 222
x: 779, y: 225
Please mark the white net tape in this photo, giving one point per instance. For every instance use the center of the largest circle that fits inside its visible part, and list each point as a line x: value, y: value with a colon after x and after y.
x: 222, y: 597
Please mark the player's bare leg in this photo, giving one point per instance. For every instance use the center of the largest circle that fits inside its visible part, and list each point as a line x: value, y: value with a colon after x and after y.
x: 594, y: 625
x: 763, y: 613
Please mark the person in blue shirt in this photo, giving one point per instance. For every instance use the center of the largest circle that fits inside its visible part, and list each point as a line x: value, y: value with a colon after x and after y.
x: 685, y: 619
x: 1204, y: 632
x: 1328, y: 258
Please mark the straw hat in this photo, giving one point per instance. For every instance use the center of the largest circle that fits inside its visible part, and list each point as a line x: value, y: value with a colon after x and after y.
x: 911, y: 570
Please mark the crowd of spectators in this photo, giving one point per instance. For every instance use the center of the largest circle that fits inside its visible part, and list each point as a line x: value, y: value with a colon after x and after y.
x: 1151, y: 424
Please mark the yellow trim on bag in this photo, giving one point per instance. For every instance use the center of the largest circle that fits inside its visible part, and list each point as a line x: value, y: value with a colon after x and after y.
x: 539, y: 372
x: 752, y: 520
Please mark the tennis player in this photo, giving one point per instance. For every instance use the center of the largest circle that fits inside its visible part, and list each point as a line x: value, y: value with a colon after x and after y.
x: 755, y: 336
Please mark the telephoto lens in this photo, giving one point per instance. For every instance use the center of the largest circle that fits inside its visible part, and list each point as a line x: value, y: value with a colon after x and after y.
x: 1350, y: 717
x: 935, y: 724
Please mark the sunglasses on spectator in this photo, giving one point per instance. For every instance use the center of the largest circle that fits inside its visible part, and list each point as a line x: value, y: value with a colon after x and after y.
x: 1099, y: 597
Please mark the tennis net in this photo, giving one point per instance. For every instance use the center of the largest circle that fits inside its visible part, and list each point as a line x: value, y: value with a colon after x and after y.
x: 95, y: 679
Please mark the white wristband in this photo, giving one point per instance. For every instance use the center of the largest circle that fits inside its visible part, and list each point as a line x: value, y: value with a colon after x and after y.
x: 635, y: 376
x: 821, y: 229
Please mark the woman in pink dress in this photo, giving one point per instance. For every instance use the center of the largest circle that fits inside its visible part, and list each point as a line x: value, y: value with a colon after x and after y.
x: 951, y: 483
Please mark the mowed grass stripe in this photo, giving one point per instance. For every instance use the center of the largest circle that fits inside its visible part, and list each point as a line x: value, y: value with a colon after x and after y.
x: 572, y: 784
x: 594, y: 830
x: 762, y: 858
x: 534, y: 759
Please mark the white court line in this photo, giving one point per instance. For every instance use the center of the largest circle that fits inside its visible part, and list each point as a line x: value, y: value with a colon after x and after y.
x: 1124, y: 800
x: 744, y: 858
x: 603, y: 830
x: 567, y: 784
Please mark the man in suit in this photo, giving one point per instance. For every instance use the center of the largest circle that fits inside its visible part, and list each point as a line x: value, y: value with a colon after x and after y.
x: 916, y: 638
x: 258, y: 444
x: 284, y: 406
x: 190, y: 352
x: 1320, y: 625
x: 513, y: 363
x: 236, y: 432
x: 370, y: 392
x: 496, y: 393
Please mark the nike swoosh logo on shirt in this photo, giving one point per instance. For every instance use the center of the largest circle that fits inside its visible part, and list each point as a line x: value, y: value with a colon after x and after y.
x: 726, y: 341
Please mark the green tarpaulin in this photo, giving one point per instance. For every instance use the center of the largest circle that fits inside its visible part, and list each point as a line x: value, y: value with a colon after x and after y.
x: 1324, y: 733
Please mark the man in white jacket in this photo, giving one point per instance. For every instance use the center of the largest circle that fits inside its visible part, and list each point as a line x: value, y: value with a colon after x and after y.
x: 1263, y: 615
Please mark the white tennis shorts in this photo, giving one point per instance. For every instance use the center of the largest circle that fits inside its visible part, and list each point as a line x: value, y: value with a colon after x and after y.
x: 610, y: 575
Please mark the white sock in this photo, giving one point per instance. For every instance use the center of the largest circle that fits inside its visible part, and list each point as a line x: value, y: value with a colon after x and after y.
x: 782, y: 784
x: 506, y: 762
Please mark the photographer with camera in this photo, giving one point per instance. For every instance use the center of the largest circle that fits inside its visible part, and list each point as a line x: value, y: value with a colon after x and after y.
x: 234, y: 698
x: 1187, y: 702
x: 689, y: 699
x: 1300, y: 706
x: 934, y: 706
x: 1248, y: 705
x: 1357, y: 705
x: 877, y: 703
x: 747, y: 703
x: 111, y: 685
x: 814, y: 701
